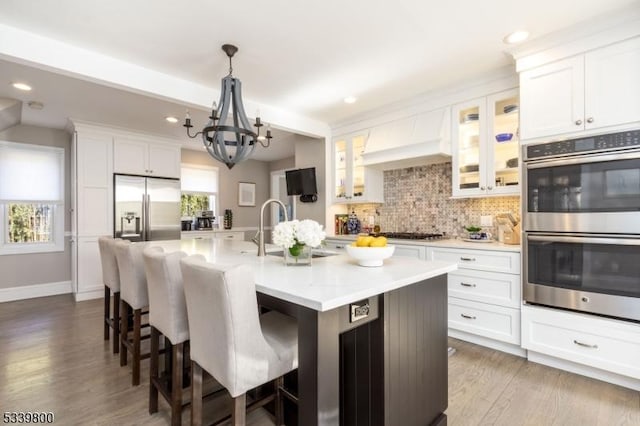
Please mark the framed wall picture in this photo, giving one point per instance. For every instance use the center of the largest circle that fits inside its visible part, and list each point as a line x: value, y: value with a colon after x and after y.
x: 246, y: 194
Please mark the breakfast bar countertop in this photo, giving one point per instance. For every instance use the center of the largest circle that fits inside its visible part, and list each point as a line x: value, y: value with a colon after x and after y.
x: 330, y: 282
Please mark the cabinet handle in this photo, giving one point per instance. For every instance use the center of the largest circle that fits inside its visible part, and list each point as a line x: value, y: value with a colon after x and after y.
x: 578, y: 122
x: 468, y: 259
x: 471, y: 317
x: 482, y: 188
x: 590, y: 120
x: 339, y: 247
x: 585, y: 345
x: 489, y: 188
x: 150, y: 171
x: 467, y: 285
x: 229, y: 236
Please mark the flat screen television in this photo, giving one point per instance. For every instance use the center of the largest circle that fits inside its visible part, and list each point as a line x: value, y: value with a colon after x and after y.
x: 301, y: 181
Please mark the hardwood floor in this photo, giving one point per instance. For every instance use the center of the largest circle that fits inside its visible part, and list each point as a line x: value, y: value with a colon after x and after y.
x: 53, y: 358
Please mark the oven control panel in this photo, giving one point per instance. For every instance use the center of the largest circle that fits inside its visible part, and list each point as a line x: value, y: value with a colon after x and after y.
x: 608, y: 142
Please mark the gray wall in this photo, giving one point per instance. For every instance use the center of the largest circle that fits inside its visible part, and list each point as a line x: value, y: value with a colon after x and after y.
x: 284, y: 164
x: 311, y: 153
x: 41, y: 268
x: 257, y: 172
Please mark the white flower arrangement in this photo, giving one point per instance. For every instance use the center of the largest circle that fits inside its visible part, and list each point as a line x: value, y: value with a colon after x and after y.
x: 298, y: 232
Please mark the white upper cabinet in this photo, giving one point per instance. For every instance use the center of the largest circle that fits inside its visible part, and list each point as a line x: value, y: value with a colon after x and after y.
x: 485, y: 146
x: 352, y: 181
x: 138, y: 157
x: 586, y: 92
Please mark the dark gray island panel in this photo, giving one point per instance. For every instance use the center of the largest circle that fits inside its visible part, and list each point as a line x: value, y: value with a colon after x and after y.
x: 415, y: 353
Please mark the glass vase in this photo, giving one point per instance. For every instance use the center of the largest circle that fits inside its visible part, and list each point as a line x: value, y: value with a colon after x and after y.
x: 298, y: 255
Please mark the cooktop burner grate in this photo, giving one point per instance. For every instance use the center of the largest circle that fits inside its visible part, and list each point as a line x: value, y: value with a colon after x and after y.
x: 412, y: 235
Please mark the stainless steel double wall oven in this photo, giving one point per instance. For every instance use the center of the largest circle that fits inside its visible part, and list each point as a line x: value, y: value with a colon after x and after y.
x: 581, y: 206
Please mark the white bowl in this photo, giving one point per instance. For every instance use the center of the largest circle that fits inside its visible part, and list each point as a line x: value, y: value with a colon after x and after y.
x: 370, y: 256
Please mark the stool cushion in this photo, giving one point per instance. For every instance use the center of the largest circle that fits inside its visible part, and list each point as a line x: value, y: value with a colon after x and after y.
x: 110, y: 272
x: 133, y: 281
x: 227, y: 337
x: 167, y: 306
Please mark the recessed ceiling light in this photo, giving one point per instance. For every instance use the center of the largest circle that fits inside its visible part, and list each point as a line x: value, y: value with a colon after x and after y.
x: 350, y: 99
x: 171, y: 119
x: 22, y: 86
x: 516, y: 37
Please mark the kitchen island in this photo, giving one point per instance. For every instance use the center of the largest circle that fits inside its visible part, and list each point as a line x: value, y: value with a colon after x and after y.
x: 372, y: 342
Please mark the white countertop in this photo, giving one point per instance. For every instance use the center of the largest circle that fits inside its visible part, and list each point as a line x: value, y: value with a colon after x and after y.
x: 449, y: 243
x: 330, y: 282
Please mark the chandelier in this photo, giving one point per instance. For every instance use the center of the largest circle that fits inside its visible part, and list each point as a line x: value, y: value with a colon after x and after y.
x: 228, y: 136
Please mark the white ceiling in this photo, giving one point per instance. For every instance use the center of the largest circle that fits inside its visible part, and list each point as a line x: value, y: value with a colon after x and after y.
x: 303, y: 56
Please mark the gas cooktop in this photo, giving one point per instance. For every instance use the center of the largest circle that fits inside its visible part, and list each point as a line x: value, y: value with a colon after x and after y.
x: 413, y: 235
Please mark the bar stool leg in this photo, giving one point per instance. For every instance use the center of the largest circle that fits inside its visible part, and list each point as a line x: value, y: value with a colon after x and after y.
x: 239, y: 413
x: 154, y: 356
x: 137, y: 325
x: 124, y: 331
x: 196, y: 394
x: 279, y: 383
x: 176, y: 384
x: 107, y: 311
x: 116, y: 322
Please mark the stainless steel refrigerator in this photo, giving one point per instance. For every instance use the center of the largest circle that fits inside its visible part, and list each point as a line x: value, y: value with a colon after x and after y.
x: 146, y: 209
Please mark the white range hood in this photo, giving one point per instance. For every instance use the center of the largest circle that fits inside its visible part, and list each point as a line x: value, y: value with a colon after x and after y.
x: 415, y: 141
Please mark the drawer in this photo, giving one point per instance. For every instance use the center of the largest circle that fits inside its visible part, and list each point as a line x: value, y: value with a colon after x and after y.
x: 239, y: 235
x: 483, y: 260
x: 494, y: 322
x: 410, y: 251
x: 336, y: 245
x: 598, y: 342
x: 486, y: 287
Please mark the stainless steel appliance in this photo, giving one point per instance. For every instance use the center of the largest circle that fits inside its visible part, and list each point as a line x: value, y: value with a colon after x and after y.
x: 581, y: 205
x: 146, y: 209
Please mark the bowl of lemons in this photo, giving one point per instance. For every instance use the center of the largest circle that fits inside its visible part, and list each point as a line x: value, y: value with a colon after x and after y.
x: 370, y: 251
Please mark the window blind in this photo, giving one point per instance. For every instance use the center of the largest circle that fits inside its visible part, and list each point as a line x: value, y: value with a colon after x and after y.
x: 31, y: 173
x: 194, y: 178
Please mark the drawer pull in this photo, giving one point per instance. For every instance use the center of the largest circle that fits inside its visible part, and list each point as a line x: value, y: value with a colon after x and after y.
x: 585, y: 345
x: 339, y: 247
x: 468, y: 259
x: 467, y: 285
x: 471, y: 317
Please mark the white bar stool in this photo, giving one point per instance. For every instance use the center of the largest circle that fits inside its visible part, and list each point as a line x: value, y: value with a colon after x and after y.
x: 111, y: 280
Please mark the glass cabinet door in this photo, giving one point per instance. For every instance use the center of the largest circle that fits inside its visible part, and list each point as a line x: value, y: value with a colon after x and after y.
x: 340, y: 170
x: 469, y: 155
x: 503, y: 142
x: 357, y: 149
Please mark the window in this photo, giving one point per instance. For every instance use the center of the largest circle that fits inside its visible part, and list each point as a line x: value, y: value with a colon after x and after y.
x: 199, y: 189
x: 31, y: 198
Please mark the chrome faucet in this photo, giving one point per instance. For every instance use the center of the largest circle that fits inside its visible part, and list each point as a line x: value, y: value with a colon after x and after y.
x: 259, y: 237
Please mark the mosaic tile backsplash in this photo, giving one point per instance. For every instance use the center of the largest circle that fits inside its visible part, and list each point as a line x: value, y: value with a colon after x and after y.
x: 417, y: 199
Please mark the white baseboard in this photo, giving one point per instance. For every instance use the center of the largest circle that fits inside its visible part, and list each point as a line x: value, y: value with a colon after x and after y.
x: 90, y: 294
x: 35, y: 290
x: 490, y: 343
x: 583, y: 370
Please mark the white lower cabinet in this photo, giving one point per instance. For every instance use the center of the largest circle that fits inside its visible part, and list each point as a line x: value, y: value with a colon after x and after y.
x: 603, y: 343
x: 492, y: 321
x: 484, y: 296
x: 200, y: 235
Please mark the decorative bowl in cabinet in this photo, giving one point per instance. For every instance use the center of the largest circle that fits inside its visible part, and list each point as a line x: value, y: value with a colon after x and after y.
x: 504, y: 137
x: 370, y: 256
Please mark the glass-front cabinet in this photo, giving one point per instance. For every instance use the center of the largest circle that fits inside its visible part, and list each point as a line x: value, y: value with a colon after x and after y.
x: 353, y: 182
x: 485, y: 146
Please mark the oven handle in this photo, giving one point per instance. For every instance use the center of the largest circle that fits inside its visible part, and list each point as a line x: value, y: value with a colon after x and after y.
x: 589, y: 158
x: 587, y: 240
